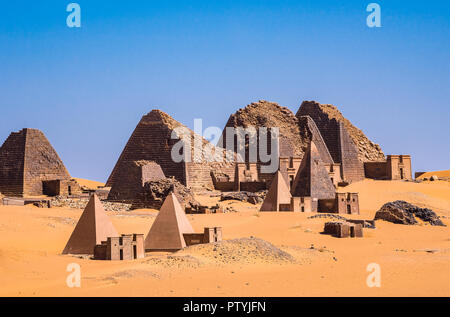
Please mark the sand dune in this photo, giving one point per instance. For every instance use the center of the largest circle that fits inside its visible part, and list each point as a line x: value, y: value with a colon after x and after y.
x: 440, y: 174
x: 89, y: 184
x: 287, y: 256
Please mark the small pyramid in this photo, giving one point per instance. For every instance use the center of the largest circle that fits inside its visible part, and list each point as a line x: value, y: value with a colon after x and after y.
x: 278, y: 194
x: 312, y: 179
x: 26, y: 160
x: 166, y: 233
x: 93, y: 227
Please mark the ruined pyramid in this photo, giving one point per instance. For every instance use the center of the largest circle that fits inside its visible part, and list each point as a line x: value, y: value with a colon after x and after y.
x: 166, y: 233
x: 269, y: 114
x: 312, y: 179
x: 92, y: 228
x: 278, y: 194
x: 152, y: 141
x: 309, y: 131
x: 347, y: 144
x: 26, y: 160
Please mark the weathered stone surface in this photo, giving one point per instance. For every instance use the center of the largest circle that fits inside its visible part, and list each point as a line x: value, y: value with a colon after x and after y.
x: 129, y: 187
x: 434, y: 178
x: 252, y: 198
x: 27, y: 159
x: 270, y: 114
x: 152, y: 141
x: 402, y: 212
x: 323, y: 115
x: 155, y: 192
x: 312, y: 179
x: 81, y: 203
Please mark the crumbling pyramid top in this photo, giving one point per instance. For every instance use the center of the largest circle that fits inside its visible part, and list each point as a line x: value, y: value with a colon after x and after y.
x: 93, y: 227
x: 278, y: 194
x: 166, y: 233
x: 322, y: 114
x: 312, y: 179
x: 269, y: 114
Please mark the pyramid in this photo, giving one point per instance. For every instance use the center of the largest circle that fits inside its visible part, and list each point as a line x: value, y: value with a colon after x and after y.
x: 347, y: 144
x: 166, y: 233
x: 92, y: 228
x: 312, y: 179
x: 326, y: 118
x: 310, y: 131
x: 278, y: 194
x: 151, y: 141
x: 26, y: 160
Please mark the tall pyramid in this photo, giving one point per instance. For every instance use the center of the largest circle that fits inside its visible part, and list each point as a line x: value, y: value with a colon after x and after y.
x: 26, y: 160
x: 310, y: 131
x: 166, y: 233
x: 347, y: 144
x: 151, y: 141
x: 278, y: 194
x: 92, y: 228
x: 312, y: 179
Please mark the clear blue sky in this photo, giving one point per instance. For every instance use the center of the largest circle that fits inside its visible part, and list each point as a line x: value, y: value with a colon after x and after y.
x: 87, y: 88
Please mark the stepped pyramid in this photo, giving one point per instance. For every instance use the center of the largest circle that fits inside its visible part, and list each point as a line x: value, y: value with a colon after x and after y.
x: 151, y: 141
x: 92, y: 228
x: 26, y: 160
x: 166, y: 233
x: 312, y: 179
x: 278, y: 194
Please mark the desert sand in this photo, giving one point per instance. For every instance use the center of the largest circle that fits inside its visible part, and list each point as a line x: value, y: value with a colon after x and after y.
x: 89, y: 184
x: 440, y: 174
x: 292, y: 259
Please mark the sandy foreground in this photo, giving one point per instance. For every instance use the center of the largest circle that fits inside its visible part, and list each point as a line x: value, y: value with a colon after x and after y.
x: 297, y: 260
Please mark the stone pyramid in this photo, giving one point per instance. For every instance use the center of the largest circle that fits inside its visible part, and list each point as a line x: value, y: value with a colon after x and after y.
x: 93, y: 227
x: 26, y: 160
x: 151, y: 141
x: 347, y: 144
x: 278, y: 194
x: 166, y: 233
x: 310, y: 131
x: 312, y: 179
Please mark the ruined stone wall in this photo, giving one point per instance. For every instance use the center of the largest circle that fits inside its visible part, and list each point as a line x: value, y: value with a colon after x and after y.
x: 376, y: 170
x: 12, y: 164
x: 129, y: 186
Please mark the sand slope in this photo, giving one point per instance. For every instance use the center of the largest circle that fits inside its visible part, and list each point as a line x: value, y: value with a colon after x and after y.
x: 89, y: 184
x: 292, y: 258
